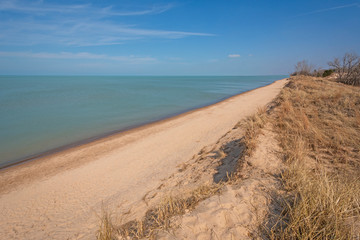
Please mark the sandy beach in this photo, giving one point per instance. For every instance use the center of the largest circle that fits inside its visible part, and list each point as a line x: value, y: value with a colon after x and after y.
x: 61, y: 196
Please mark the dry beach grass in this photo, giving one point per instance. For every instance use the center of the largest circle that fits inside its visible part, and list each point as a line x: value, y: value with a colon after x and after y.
x: 318, y: 129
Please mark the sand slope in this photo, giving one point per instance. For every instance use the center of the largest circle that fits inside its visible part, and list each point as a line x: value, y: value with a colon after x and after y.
x: 60, y: 196
x: 241, y: 208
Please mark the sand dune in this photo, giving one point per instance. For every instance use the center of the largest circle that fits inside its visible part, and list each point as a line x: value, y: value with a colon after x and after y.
x: 60, y: 196
x: 241, y: 207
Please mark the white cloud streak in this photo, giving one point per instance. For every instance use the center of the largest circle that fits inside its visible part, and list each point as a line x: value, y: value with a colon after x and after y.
x: 76, y: 33
x: 330, y: 9
x: 40, y: 8
x: 234, y: 55
x: 75, y: 25
x: 80, y: 55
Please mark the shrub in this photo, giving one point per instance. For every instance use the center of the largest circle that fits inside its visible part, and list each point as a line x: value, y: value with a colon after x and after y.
x: 327, y: 72
x: 303, y: 68
x: 347, y: 68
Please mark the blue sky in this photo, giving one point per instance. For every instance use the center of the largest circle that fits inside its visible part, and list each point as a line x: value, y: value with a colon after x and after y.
x: 252, y: 37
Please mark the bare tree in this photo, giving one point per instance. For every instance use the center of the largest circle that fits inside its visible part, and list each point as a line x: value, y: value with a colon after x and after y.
x: 303, y: 68
x: 347, y: 68
x: 318, y: 72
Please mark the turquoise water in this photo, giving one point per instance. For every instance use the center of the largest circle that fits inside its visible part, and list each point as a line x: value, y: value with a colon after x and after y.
x: 42, y: 113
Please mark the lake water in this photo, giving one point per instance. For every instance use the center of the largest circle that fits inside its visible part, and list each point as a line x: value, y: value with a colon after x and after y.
x: 42, y: 113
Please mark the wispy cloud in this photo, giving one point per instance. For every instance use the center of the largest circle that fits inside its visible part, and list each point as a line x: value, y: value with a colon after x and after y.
x: 40, y: 8
x: 76, y: 25
x: 79, y: 33
x: 234, y: 55
x: 80, y: 55
x: 330, y: 9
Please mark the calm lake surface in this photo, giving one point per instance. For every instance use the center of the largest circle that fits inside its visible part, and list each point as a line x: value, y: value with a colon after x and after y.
x: 42, y: 113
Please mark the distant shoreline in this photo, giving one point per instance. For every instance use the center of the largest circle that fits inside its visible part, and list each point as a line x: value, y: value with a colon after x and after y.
x: 103, y: 136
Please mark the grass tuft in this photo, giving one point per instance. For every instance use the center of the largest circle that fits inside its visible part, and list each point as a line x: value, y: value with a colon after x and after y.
x: 106, y: 229
x: 158, y: 218
x: 252, y: 126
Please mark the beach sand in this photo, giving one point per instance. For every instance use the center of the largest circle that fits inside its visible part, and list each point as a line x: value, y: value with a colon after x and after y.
x: 61, y: 196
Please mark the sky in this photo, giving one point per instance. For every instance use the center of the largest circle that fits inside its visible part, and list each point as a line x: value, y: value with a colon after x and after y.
x: 127, y: 37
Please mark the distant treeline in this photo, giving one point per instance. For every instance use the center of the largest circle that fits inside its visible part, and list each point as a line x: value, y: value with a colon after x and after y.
x: 345, y: 69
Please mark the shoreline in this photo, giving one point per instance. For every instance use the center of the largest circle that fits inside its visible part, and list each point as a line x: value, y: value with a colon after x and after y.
x: 100, y: 137
x: 61, y: 196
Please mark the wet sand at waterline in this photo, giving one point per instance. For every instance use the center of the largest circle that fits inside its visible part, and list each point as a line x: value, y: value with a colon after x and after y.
x: 61, y: 196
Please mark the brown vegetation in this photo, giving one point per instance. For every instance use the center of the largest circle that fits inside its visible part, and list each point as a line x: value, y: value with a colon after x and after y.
x: 318, y: 124
x: 252, y: 127
x: 303, y: 68
x: 347, y: 68
x: 157, y: 218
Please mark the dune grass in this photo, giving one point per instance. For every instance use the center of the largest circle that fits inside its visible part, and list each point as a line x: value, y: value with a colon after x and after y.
x: 318, y: 126
x: 252, y: 127
x: 157, y: 218
x: 106, y: 229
